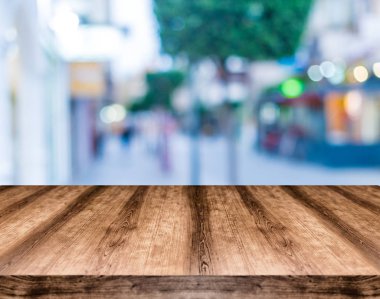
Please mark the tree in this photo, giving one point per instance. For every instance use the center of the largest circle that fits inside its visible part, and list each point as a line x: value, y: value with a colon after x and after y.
x: 161, y: 86
x: 217, y: 29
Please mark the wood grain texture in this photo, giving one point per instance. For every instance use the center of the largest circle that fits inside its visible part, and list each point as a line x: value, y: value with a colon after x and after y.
x: 133, y: 232
x: 201, y: 246
x: 168, y: 287
x: 360, y: 227
x: 174, y: 230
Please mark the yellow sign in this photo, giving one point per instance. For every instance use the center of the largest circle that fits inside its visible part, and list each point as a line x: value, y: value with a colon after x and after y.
x: 87, y: 80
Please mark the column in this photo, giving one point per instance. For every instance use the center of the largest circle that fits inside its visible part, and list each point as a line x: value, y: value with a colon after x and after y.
x: 6, y: 157
x: 32, y: 131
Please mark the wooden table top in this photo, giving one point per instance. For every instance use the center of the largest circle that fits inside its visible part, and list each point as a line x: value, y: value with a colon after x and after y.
x: 185, y: 230
x: 189, y: 230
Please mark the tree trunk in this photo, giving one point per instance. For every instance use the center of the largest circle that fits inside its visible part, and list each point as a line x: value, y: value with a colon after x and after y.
x: 230, y: 126
x: 195, y: 164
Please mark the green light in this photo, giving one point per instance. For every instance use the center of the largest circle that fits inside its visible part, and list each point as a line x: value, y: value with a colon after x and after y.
x: 292, y: 88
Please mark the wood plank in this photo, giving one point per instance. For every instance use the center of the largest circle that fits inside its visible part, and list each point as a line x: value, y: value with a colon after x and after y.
x: 13, y: 199
x: 72, y: 248
x: 18, y: 225
x: 360, y: 196
x: 168, y: 250
x: 349, y: 220
x: 201, y: 243
x: 157, y: 245
x: 319, y: 248
x: 229, y: 243
x: 49, y: 224
x: 168, y: 287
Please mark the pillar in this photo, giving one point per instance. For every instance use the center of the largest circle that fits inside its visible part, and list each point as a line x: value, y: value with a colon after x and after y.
x: 6, y: 141
x: 31, y: 108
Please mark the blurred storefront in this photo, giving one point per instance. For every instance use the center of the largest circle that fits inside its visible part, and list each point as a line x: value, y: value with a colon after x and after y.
x: 88, y: 89
x: 335, y: 126
x: 329, y: 110
x: 59, y: 60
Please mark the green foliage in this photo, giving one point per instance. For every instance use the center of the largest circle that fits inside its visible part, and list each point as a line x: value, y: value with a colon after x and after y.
x: 254, y: 29
x: 160, y: 89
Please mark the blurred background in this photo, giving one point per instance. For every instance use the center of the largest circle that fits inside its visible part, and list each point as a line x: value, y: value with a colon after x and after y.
x: 206, y: 92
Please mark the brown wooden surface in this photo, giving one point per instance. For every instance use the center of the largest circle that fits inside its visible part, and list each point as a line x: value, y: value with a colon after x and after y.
x: 225, y: 231
x: 172, y: 287
x: 189, y: 230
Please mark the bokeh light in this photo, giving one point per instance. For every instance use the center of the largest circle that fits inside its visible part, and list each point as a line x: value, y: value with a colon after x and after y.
x: 328, y: 69
x: 292, y: 88
x: 314, y: 73
x: 361, y: 74
x: 353, y: 103
x: 269, y: 113
x: 376, y: 69
x: 112, y: 114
